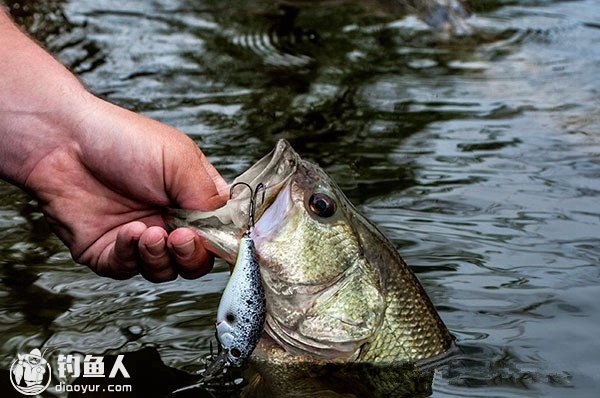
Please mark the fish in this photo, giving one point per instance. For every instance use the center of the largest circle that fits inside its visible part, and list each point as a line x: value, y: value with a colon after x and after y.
x: 337, y: 291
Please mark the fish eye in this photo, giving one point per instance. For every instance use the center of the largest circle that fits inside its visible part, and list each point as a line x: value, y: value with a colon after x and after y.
x: 321, y: 205
x: 230, y: 318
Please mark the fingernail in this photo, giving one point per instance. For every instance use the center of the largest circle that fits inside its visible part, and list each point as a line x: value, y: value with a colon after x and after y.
x: 156, y: 248
x: 185, y: 249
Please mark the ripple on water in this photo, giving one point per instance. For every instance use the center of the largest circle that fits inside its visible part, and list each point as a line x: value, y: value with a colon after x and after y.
x: 478, y: 156
x: 176, y: 316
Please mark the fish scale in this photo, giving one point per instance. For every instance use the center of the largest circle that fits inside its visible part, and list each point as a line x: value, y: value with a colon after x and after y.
x: 336, y: 289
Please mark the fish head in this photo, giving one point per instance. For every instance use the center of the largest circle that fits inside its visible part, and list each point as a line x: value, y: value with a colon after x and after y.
x: 324, y: 297
x: 336, y: 289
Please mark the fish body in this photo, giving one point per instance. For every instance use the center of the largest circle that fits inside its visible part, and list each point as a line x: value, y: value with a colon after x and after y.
x: 241, y: 312
x: 336, y: 288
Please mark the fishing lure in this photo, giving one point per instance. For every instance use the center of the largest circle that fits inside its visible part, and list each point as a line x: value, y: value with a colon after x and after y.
x: 241, y: 313
x: 242, y: 309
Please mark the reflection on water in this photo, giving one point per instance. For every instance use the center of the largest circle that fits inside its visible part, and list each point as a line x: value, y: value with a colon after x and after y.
x: 477, y: 155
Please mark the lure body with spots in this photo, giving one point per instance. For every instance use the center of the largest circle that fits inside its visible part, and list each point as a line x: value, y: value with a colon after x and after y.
x: 242, y: 309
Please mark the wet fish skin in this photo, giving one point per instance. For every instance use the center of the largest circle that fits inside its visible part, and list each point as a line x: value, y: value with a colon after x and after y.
x: 336, y: 288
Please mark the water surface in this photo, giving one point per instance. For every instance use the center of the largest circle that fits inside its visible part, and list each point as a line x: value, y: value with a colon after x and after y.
x: 479, y: 156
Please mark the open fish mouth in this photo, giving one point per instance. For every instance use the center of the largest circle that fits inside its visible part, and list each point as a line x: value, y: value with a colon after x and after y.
x: 221, y: 229
x: 336, y: 289
x: 273, y: 171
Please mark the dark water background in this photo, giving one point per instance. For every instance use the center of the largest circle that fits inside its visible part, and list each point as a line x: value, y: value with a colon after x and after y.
x: 479, y: 156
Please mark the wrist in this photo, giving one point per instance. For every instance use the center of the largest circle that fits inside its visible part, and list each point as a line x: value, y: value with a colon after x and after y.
x: 39, y: 103
x: 34, y: 131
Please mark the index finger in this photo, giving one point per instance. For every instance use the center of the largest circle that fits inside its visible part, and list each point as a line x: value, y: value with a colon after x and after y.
x: 190, y: 255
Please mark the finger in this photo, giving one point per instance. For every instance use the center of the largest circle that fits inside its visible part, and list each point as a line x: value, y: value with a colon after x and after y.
x: 220, y: 184
x: 191, y: 257
x: 156, y: 262
x: 123, y: 257
x: 191, y: 181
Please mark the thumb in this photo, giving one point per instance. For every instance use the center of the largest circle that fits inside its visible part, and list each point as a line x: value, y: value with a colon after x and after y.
x: 220, y: 184
x: 191, y: 181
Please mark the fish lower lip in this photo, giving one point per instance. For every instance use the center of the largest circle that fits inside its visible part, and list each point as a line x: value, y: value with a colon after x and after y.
x: 284, y: 337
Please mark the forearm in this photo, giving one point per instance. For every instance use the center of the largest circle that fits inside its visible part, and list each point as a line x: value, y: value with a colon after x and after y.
x: 101, y: 174
x: 39, y: 103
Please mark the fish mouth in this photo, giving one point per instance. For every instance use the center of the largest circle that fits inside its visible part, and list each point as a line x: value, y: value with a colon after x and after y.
x: 274, y: 171
x: 221, y: 229
x: 300, y: 345
x: 277, y: 171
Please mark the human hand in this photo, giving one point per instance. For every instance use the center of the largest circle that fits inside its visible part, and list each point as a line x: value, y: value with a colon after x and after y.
x: 104, y: 189
x: 101, y: 174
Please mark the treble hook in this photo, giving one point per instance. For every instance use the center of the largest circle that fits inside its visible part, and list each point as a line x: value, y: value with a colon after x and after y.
x: 253, y: 194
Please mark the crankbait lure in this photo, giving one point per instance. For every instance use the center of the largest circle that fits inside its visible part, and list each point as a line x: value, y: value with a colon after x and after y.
x: 242, y: 309
x: 241, y: 313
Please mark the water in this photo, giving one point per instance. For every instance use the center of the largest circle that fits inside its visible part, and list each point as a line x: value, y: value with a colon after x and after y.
x: 478, y: 156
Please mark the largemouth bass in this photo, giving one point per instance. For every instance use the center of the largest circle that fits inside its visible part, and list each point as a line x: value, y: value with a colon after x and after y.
x: 335, y: 286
